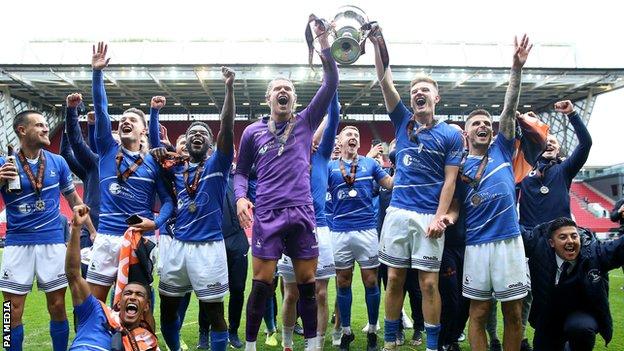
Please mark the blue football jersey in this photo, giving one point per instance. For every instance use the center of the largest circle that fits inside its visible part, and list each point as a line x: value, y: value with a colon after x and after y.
x: 420, y: 166
x: 199, y: 219
x: 353, y: 205
x: 490, y: 210
x: 28, y: 223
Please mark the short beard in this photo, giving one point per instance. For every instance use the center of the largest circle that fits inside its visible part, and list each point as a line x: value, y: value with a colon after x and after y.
x: 199, y: 155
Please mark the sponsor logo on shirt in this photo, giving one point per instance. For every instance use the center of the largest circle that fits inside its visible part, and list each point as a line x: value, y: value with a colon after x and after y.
x: 25, y: 208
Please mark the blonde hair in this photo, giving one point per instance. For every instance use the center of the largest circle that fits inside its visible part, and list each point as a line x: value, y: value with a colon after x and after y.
x: 423, y: 78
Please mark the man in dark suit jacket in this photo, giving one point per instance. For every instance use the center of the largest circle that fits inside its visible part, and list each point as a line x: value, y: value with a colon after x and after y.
x: 569, y: 280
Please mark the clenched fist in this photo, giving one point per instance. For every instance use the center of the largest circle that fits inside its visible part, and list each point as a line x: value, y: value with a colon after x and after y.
x: 158, y: 102
x: 73, y: 100
x: 564, y: 106
x: 228, y: 76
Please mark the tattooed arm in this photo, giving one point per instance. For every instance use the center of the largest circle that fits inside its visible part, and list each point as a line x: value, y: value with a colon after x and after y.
x: 512, y: 96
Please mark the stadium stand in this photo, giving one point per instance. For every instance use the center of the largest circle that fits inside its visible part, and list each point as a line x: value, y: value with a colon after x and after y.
x: 578, y: 193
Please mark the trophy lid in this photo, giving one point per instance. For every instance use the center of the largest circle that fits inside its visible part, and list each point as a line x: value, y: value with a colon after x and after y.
x: 351, y: 12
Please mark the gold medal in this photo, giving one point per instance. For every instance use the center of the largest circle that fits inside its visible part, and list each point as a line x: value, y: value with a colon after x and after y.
x: 476, y: 200
x: 544, y: 190
x: 192, y: 207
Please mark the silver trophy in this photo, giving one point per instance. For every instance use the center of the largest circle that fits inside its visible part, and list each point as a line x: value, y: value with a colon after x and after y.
x: 349, y: 34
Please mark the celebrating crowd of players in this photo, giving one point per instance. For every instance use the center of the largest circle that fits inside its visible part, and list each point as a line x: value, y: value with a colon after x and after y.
x: 450, y: 215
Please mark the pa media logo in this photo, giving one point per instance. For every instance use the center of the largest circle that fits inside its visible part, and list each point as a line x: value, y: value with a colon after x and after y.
x: 6, y: 324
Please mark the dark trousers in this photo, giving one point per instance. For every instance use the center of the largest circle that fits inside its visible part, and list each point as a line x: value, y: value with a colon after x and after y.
x: 454, y: 306
x: 577, y: 329
x: 237, y: 274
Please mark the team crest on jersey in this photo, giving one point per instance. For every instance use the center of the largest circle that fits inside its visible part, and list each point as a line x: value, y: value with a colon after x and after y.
x: 52, y: 173
x: 258, y: 243
x: 594, y: 275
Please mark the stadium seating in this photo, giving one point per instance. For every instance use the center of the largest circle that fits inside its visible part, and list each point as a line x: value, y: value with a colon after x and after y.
x: 578, y: 192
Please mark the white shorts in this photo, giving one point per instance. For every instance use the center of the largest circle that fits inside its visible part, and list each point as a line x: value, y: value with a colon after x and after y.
x: 105, y: 259
x: 325, y: 268
x: 495, y: 269
x: 199, y: 267
x: 21, y: 263
x: 403, y: 243
x: 357, y: 245
x: 164, y: 241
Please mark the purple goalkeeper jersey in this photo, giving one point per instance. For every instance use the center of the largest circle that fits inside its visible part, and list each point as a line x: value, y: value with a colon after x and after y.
x: 284, y: 180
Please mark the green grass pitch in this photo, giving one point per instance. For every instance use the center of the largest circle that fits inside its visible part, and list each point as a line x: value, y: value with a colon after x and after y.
x: 37, y: 332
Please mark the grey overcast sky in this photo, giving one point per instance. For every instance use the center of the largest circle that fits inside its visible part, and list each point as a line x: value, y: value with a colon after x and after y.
x: 592, y: 27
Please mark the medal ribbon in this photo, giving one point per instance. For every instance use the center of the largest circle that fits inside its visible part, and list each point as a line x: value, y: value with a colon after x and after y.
x: 413, y: 134
x: 349, y: 178
x: 36, y: 183
x: 473, y: 182
x: 122, y: 177
x: 281, y: 139
x: 192, y: 188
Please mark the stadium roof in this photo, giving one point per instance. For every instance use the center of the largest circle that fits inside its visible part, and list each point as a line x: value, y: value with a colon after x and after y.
x: 470, y: 75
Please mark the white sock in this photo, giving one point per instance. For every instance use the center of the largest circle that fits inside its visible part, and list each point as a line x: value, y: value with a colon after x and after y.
x: 319, y: 342
x: 346, y: 330
x: 250, y: 346
x: 310, y: 344
x: 287, y: 336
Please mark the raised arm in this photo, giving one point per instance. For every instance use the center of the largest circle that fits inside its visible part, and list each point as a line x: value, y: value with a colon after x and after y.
x: 67, y: 153
x: 388, y: 90
x: 91, y: 131
x: 103, y: 136
x: 77, y: 284
x: 225, y: 138
x: 87, y: 158
x: 317, y: 107
x: 157, y: 103
x: 326, y: 145
x: 573, y: 164
x: 512, y: 96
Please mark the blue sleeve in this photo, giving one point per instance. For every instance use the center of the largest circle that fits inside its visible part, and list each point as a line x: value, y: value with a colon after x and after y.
x: 154, y: 129
x: 103, y: 136
x: 92, y: 144
x: 573, y: 164
x: 331, y: 128
x: 317, y: 107
x: 66, y: 182
x: 399, y: 116
x: 166, y: 203
x: 223, y: 162
x: 506, y: 146
x: 378, y: 172
x: 68, y: 155
x: 88, y: 307
x: 454, y: 149
x: 530, y: 239
x: 82, y: 152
